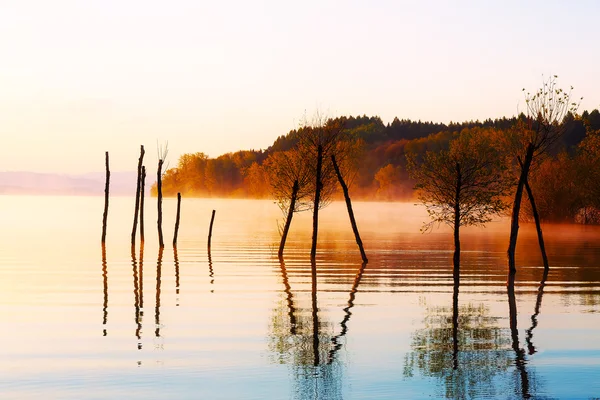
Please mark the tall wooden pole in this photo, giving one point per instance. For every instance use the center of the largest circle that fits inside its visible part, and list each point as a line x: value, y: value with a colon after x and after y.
x: 161, y: 243
x: 177, y: 219
x: 212, y: 220
x: 142, y: 189
x: 350, y: 211
x: 137, y: 196
x: 106, y: 188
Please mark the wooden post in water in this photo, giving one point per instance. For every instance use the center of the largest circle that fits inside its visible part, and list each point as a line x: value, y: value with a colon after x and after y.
x: 350, y: 212
x: 137, y: 196
x: 142, y: 189
x: 212, y: 220
x: 161, y: 243
x: 177, y: 220
x: 106, y: 187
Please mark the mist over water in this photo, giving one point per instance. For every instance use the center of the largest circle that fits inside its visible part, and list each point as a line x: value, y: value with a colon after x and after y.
x: 78, y: 322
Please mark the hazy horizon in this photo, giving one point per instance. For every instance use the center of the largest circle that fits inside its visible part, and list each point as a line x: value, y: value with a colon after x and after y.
x: 80, y: 79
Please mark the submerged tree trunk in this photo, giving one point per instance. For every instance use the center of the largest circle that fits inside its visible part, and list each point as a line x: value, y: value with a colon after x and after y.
x: 457, y: 220
x: 288, y: 220
x: 137, y: 196
x: 177, y: 219
x: 142, y: 188
x: 318, y: 184
x: 538, y: 226
x: 350, y: 212
x: 106, y: 188
x: 212, y: 220
x: 161, y: 244
x: 514, y: 223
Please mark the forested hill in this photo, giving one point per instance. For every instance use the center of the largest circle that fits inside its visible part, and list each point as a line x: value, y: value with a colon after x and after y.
x: 381, y: 173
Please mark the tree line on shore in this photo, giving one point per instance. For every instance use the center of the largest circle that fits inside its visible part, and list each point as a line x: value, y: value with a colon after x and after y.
x: 564, y: 180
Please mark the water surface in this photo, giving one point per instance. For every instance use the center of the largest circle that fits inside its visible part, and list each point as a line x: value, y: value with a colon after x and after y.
x: 237, y: 323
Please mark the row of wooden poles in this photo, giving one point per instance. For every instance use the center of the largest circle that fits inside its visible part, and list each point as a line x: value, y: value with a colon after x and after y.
x: 139, y: 204
x: 139, y: 207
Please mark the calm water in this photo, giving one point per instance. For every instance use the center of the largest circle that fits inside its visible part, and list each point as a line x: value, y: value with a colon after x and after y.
x: 238, y: 324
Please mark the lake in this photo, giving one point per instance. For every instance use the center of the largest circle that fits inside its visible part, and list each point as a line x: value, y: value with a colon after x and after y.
x: 238, y: 324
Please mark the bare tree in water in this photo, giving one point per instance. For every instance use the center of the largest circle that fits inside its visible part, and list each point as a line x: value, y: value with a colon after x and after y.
x: 463, y: 185
x: 542, y: 128
x: 289, y: 178
x: 304, y: 178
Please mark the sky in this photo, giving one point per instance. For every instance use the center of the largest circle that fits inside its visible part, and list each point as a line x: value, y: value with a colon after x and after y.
x: 78, y: 78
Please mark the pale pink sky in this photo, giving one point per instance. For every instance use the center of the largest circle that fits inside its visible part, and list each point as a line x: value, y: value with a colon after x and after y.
x: 78, y: 78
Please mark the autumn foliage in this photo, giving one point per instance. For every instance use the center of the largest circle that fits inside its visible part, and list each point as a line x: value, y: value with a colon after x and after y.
x: 564, y: 181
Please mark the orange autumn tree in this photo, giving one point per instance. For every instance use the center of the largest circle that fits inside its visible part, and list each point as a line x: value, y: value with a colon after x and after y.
x: 462, y: 185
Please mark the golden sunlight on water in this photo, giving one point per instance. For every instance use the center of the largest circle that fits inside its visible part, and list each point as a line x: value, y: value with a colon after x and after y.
x: 78, y: 322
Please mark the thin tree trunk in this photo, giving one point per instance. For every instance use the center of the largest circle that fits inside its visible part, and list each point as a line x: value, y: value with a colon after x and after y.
x: 514, y: 223
x: 106, y: 188
x: 538, y: 226
x: 313, y: 249
x: 457, y: 219
x: 350, y: 212
x: 137, y: 196
x: 177, y: 219
x: 161, y: 244
x: 212, y: 220
x: 142, y: 189
x: 288, y: 220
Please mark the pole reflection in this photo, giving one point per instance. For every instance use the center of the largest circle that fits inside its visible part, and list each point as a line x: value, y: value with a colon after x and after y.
x: 534, y: 322
x: 158, y: 286
x: 211, y: 272
x: 176, y: 262
x: 335, y: 341
x: 136, y: 298
x: 315, y: 313
x: 520, y: 360
x: 289, y: 297
x: 105, y: 290
x: 456, y: 278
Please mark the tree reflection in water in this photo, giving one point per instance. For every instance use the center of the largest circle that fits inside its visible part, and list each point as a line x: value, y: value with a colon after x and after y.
x: 461, y: 345
x: 300, y: 339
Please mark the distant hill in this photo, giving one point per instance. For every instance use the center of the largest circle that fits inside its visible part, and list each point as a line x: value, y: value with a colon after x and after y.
x: 89, y: 184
